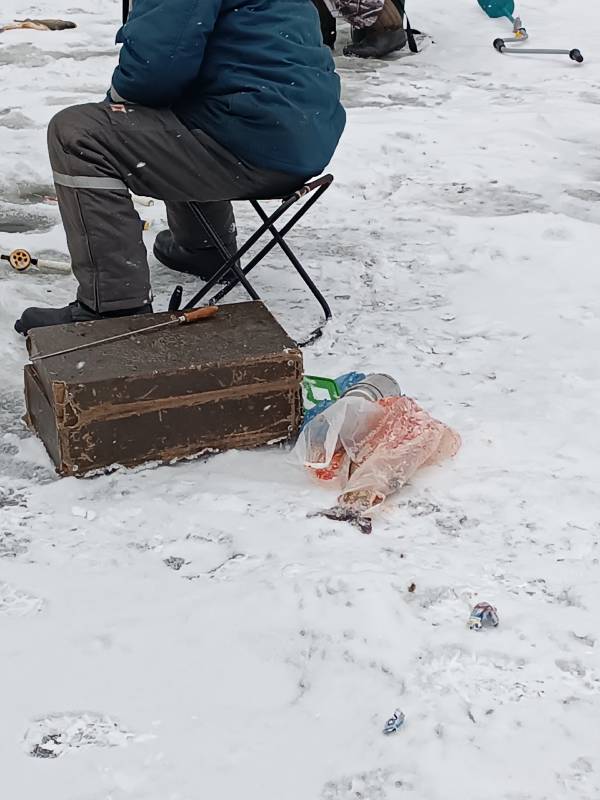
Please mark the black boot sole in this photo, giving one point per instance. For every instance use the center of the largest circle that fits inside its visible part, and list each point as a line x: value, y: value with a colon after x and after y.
x: 351, y: 53
x: 364, y: 48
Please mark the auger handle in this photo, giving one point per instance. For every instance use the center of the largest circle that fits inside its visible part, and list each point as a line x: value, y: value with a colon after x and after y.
x: 574, y: 55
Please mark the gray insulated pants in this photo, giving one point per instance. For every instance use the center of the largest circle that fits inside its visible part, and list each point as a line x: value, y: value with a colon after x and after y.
x: 101, y: 152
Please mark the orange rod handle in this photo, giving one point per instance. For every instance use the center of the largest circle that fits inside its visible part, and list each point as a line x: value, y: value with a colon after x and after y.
x: 199, y: 313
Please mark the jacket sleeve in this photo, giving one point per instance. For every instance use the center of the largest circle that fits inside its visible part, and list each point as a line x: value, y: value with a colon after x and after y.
x: 163, y: 48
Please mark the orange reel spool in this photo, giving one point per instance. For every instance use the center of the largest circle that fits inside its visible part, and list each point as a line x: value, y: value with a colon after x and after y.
x: 20, y: 260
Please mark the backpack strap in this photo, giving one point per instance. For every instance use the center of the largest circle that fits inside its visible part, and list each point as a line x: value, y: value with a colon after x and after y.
x: 127, y: 6
x: 410, y: 36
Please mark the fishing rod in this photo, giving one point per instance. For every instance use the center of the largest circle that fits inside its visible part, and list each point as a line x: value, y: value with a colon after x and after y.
x: 21, y: 260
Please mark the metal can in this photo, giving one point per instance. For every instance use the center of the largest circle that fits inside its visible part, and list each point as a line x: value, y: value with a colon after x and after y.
x: 484, y: 615
x: 375, y: 387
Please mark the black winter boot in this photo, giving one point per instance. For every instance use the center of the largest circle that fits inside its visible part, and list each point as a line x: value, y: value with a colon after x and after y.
x: 384, y: 36
x: 377, y: 43
x: 203, y: 262
x: 74, y: 312
x: 357, y: 35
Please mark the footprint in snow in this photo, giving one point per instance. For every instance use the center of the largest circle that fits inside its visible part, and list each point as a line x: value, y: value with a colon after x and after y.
x: 18, y: 603
x: 237, y: 564
x: 55, y: 734
x: 588, y: 195
x: 374, y: 785
x: 11, y: 498
x: 12, y: 546
x: 16, y: 121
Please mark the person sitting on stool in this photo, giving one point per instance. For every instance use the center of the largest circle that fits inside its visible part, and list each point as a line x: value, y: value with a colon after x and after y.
x: 212, y: 101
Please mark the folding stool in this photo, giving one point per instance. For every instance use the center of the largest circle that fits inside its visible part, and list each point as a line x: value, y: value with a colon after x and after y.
x: 232, y: 264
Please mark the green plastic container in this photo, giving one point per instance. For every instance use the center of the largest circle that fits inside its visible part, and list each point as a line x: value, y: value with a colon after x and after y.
x: 317, y: 389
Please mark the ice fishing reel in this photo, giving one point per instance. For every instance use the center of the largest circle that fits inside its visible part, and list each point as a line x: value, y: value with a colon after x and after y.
x: 19, y: 259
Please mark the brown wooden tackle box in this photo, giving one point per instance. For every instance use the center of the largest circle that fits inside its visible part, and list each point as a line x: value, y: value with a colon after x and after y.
x: 232, y: 381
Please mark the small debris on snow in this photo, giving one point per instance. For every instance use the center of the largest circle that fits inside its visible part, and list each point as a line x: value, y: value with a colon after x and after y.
x: 174, y: 562
x: 344, y: 514
x: 394, y: 723
x: 84, y: 513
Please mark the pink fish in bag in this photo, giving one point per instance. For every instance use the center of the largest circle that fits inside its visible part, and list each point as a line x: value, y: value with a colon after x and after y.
x: 372, y: 459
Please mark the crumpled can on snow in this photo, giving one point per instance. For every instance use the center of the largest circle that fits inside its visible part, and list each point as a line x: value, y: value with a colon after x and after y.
x: 394, y: 723
x: 483, y: 615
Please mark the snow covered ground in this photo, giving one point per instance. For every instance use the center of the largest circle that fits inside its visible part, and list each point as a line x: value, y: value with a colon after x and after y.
x: 186, y: 632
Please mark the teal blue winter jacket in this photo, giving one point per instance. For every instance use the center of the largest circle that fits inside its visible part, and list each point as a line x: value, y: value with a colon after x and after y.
x: 253, y: 74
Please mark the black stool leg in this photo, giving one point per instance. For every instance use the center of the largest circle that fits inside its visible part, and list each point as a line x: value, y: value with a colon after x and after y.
x: 278, y: 239
x: 278, y: 236
x: 218, y: 242
x: 231, y: 263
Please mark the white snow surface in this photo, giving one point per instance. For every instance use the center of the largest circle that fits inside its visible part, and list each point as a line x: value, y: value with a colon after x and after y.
x: 189, y: 624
